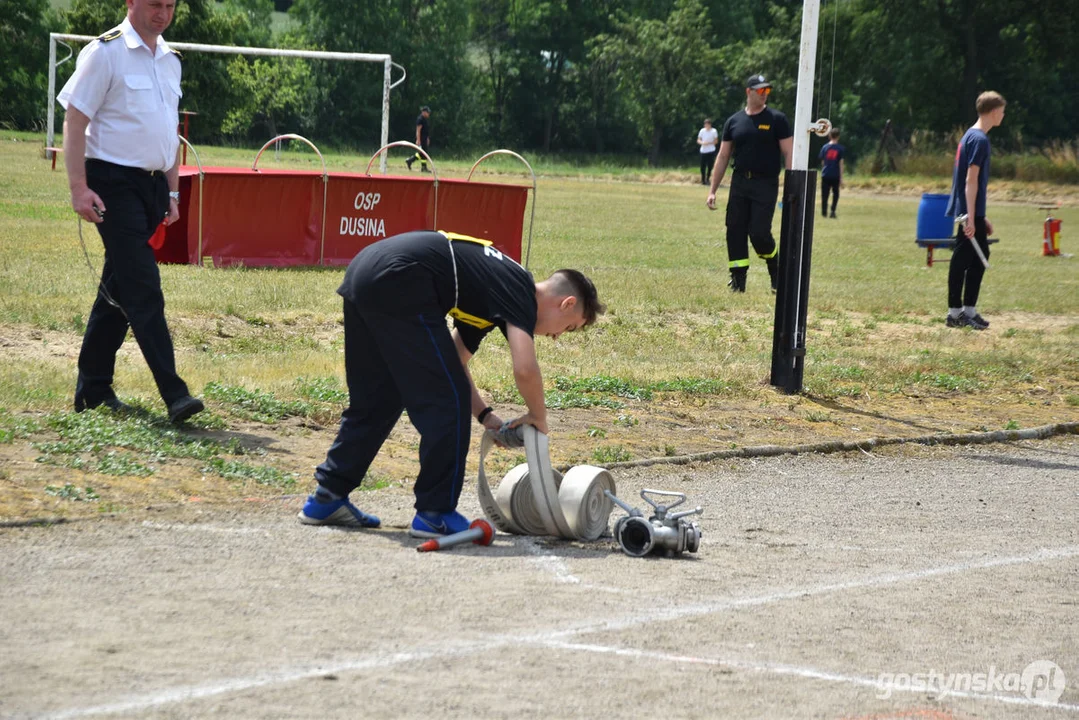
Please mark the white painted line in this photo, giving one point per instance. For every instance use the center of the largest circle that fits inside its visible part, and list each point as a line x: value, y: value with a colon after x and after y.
x: 378, y: 660
x: 197, y: 528
x: 805, y: 672
x: 551, y: 563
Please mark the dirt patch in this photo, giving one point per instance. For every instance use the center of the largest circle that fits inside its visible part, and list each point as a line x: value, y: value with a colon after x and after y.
x: 662, y: 427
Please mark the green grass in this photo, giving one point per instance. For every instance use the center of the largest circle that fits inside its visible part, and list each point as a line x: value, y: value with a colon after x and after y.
x: 264, y: 345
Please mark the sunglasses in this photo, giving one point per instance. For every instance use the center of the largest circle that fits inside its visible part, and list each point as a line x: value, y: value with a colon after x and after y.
x: 762, y: 91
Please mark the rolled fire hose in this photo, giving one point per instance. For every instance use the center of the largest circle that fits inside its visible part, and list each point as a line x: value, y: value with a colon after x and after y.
x: 535, y: 499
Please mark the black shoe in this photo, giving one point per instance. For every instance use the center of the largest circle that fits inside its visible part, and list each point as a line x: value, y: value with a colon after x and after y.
x: 833, y: 214
x: 977, y: 322
x: 111, y: 403
x: 184, y: 408
x: 957, y: 322
x: 423, y: 168
x: 409, y: 162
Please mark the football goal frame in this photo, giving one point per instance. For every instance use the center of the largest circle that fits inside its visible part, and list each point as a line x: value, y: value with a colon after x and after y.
x: 387, y: 66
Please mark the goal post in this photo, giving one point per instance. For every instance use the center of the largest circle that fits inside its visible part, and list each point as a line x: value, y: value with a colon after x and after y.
x: 387, y: 66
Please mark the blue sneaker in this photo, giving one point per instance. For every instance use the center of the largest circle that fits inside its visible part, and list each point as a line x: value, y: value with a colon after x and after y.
x: 338, y: 512
x: 436, y: 524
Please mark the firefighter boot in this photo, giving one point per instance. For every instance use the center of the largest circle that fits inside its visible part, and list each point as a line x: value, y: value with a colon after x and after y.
x: 738, y: 279
x: 773, y: 271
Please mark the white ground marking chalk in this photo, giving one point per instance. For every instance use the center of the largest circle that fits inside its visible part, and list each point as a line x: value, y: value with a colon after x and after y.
x: 797, y: 671
x: 558, y: 567
x: 379, y: 660
x: 196, y: 528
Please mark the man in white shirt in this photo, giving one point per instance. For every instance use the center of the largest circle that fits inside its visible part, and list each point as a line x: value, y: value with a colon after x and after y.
x: 708, y: 139
x: 120, y: 146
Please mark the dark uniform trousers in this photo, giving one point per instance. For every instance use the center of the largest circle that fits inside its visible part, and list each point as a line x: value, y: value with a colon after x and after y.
x: 135, y: 201
x: 966, y: 270
x: 750, y: 207
x: 708, y: 161
x: 395, y: 363
x: 828, y: 185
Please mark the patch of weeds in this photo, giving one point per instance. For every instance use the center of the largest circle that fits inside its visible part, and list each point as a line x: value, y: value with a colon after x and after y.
x: 626, y: 421
x: 375, y: 481
x: 1072, y: 400
x: 73, y: 493
x: 13, y: 427
x: 120, y: 464
x: 603, y: 384
x: 692, y: 386
x: 572, y: 399
x: 257, y: 322
x: 324, y: 389
x: 670, y: 450
x: 817, y: 416
x: 614, y: 453
x: 946, y: 381
x: 261, y: 474
x: 595, y: 432
x: 1011, y: 332
x: 254, y: 404
x: 1011, y: 425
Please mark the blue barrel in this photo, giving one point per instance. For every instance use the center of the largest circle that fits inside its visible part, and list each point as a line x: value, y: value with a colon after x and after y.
x: 933, y: 224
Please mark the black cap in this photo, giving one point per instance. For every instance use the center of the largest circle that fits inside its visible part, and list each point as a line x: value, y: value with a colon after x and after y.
x: 425, y: 109
x: 755, y: 82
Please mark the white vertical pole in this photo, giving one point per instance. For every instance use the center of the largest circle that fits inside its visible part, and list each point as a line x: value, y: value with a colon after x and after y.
x: 51, y: 111
x: 385, y: 113
x: 806, y: 71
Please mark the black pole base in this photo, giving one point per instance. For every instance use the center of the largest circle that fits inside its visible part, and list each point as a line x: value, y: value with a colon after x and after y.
x: 792, y: 294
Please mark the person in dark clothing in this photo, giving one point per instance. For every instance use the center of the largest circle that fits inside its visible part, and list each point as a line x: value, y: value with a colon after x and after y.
x: 831, y: 172
x: 423, y: 138
x: 969, y: 181
x: 755, y: 138
x: 120, y: 148
x: 400, y: 355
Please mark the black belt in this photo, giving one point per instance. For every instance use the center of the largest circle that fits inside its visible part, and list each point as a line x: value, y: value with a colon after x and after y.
x: 124, y: 168
x: 750, y: 175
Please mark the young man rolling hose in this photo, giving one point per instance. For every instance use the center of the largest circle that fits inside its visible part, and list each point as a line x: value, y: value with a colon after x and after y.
x: 754, y: 138
x: 969, y: 181
x: 400, y: 355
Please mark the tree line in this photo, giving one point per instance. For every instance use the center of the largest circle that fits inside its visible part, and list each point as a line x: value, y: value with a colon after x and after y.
x: 589, y: 76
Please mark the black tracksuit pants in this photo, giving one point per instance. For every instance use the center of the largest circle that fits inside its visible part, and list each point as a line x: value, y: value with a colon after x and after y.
x: 751, y: 205
x: 135, y: 204
x: 828, y: 185
x: 965, y: 271
x: 394, y: 363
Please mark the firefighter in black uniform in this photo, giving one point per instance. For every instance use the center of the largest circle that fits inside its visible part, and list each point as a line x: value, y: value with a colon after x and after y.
x: 423, y: 138
x: 755, y: 137
x: 400, y: 355
x: 120, y: 148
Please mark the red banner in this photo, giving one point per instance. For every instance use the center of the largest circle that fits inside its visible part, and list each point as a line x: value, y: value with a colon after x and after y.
x: 275, y: 217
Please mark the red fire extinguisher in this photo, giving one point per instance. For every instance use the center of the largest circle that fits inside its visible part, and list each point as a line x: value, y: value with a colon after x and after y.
x: 1051, y: 235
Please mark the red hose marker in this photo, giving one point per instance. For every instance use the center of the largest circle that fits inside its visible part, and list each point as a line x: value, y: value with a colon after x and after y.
x: 479, y: 532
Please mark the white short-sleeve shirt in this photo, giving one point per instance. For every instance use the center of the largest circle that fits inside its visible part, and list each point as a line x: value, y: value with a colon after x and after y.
x: 132, y: 97
x: 708, y: 139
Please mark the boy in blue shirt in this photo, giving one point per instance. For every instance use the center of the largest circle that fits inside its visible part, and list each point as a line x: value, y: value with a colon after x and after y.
x: 969, y: 182
x: 831, y: 172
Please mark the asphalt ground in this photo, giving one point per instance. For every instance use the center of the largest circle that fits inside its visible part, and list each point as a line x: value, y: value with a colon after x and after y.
x: 906, y: 582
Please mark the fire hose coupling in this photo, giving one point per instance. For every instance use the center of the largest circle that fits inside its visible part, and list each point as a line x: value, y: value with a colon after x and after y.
x: 666, y: 532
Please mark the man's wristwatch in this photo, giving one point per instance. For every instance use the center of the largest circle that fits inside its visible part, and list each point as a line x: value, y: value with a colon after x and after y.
x: 175, y: 195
